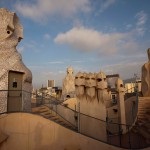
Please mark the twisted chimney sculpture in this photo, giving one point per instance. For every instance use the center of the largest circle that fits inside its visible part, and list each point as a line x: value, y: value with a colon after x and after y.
x: 68, y: 88
x: 11, y: 32
x: 146, y: 77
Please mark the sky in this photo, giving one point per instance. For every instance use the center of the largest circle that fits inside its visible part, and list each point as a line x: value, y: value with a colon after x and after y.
x: 90, y: 35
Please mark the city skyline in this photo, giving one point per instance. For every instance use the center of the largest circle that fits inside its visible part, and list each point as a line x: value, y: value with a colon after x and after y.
x: 91, y: 36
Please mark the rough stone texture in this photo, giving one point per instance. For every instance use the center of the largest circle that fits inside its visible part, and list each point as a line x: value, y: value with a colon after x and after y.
x: 103, y: 94
x: 68, y: 84
x: 146, y: 77
x: 121, y: 103
x: 94, y: 97
x: 80, y: 85
x: 89, y: 104
x: 11, y: 32
x: 92, y: 87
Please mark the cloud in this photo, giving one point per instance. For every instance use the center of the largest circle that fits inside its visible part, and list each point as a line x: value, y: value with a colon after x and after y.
x: 56, y: 62
x: 62, y: 71
x: 125, y: 69
x: 47, y: 36
x: 85, y: 39
x: 20, y: 49
x: 42, y: 9
x: 78, y: 61
x: 141, y: 17
x: 106, y: 4
x: 128, y: 26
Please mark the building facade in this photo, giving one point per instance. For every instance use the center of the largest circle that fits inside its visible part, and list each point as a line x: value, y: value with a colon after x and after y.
x: 51, y: 83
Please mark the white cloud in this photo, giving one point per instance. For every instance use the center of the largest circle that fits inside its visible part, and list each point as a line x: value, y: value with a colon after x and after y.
x: 78, y: 61
x: 42, y: 9
x: 56, y: 62
x: 20, y: 49
x: 106, y: 4
x: 125, y: 69
x: 128, y: 26
x: 47, y: 36
x: 141, y: 20
x: 62, y: 72
x: 35, y: 67
x: 77, y: 22
x: 85, y: 39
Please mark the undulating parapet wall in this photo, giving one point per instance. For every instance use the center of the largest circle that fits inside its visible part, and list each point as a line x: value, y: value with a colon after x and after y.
x: 11, y: 65
x: 32, y: 132
x: 146, y: 77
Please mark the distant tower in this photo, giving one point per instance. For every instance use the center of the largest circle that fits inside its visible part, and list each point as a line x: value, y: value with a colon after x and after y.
x: 51, y: 83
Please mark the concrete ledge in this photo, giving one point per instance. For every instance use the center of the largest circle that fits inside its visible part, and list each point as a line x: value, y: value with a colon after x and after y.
x: 3, y: 137
x: 32, y: 132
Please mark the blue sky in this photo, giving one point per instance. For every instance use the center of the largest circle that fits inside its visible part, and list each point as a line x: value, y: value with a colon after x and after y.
x: 89, y: 35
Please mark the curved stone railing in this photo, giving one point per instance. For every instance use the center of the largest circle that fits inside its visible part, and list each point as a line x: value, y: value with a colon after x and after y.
x: 128, y: 140
x: 114, y: 130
